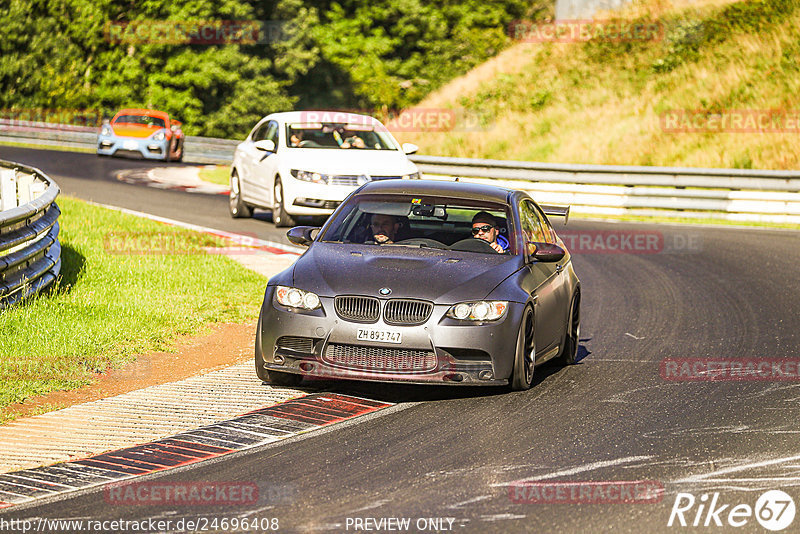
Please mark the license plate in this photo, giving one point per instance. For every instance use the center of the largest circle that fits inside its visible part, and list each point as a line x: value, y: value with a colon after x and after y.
x: 381, y: 336
x: 130, y: 145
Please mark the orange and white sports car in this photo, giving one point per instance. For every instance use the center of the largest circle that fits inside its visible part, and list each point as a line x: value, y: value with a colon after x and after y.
x: 147, y: 132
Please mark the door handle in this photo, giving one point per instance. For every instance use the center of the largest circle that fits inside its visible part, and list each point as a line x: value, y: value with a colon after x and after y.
x: 559, y: 268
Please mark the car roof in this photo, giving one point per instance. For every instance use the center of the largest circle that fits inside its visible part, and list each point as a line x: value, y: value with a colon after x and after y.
x: 453, y: 189
x: 332, y: 116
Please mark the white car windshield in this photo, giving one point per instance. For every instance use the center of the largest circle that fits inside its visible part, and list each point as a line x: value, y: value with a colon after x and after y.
x: 339, y: 136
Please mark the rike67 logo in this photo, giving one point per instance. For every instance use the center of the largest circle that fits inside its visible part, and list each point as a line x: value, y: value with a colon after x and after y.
x: 774, y: 510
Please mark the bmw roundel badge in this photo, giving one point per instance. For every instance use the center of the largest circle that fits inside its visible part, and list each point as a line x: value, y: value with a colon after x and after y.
x: 385, y: 291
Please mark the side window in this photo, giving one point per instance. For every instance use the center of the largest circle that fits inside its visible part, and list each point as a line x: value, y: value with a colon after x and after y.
x: 549, y: 233
x: 532, y: 230
x: 258, y: 133
x: 271, y: 133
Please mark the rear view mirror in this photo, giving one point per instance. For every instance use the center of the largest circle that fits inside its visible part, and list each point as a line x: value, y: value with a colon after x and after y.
x: 267, y: 145
x: 301, y: 235
x: 548, y: 252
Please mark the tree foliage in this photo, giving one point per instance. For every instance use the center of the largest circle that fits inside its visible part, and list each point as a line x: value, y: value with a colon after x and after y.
x: 383, y: 54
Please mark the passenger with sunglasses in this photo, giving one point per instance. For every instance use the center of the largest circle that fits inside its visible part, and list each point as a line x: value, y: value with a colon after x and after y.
x: 484, y: 226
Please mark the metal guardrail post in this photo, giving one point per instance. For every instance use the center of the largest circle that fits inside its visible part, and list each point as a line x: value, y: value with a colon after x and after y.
x: 30, y: 253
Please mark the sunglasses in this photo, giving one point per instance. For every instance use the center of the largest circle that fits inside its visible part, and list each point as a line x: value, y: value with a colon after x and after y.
x: 478, y: 229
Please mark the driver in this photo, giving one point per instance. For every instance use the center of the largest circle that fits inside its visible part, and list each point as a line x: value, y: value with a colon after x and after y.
x: 384, y: 228
x: 484, y: 226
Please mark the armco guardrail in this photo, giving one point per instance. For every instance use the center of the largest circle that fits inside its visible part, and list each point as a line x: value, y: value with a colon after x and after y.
x: 733, y: 194
x: 30, y: 254
x: 197, y: 149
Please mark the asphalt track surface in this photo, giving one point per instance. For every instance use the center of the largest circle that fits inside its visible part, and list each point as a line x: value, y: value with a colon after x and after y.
x: 452, y: 452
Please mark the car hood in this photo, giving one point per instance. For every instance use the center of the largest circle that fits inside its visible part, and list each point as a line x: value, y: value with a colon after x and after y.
x: 134, y: 130
x: 331, y: 269
x: 351, y: 161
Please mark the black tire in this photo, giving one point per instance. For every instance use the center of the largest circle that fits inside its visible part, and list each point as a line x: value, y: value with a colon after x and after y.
x: 274, y: 378
x: 279, y: 215
x: 525, y: 356
x: 179, y: 157
x: 237, y: 206
x: 569, y: 352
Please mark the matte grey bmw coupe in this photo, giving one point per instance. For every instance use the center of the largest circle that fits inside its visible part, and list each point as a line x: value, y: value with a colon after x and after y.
x: 425, y: 282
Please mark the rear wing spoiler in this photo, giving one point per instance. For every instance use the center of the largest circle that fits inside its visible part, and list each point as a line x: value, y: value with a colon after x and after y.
x: 556, y: 211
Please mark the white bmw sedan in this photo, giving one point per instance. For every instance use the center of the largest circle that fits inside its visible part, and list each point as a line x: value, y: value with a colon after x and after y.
x: 306, y: 162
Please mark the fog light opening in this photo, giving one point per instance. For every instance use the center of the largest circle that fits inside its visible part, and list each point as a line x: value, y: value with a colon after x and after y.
x: 485, y: 375
x: 279, y: 360
x: 307, y: 367
x: 454, y: 377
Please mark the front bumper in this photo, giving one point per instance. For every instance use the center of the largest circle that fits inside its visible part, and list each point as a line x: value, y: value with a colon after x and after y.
x: 454, y: 352
x: 144, y: 146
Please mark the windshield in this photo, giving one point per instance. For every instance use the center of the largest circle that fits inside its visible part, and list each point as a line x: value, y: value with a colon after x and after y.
x: 145, y: 120
x: 339, y: 136
x: 421, y: 222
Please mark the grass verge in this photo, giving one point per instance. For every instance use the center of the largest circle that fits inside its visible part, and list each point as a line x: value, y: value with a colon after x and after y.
x: 129, y: 285
x: 43, y: 146
x: 216, y: 174
x: 610, y: 101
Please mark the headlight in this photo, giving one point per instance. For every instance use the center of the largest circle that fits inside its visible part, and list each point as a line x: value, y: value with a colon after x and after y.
x: 105, y: 130
x: 159, y: 135
x: 412, y: 176
x: 307, y: 176
x: 482, y: 310
x: 296, y: 298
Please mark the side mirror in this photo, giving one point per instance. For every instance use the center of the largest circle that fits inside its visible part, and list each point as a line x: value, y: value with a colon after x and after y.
x: 410, y: 148
x: 548, y: 252
x: 301, y: 235
x: 267, y: 145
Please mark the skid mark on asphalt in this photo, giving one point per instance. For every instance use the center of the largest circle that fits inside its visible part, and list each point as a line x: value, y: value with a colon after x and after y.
x: 258, y: 427
x: 575, y: 470
x: 784, y: 471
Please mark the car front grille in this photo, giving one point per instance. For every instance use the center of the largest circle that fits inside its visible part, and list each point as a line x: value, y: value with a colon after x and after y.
x: 407, y: 312
x: 382, y: 359
x: 296, y: 343
x: 376, y: 178
x: 343, y: 180
x: 358, y: 309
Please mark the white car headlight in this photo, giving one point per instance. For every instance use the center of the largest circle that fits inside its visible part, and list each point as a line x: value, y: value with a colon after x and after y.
x: 159, y: 135
x: 296, y: 298
x: 105, y: 130
x: 482, y: 310
x: 412, y: 176
x: 308, y: 176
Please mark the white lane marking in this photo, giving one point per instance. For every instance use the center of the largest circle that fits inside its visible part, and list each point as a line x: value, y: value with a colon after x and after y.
x: 579, y: 469
x: 634, y: 337
x: 238, y: 238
